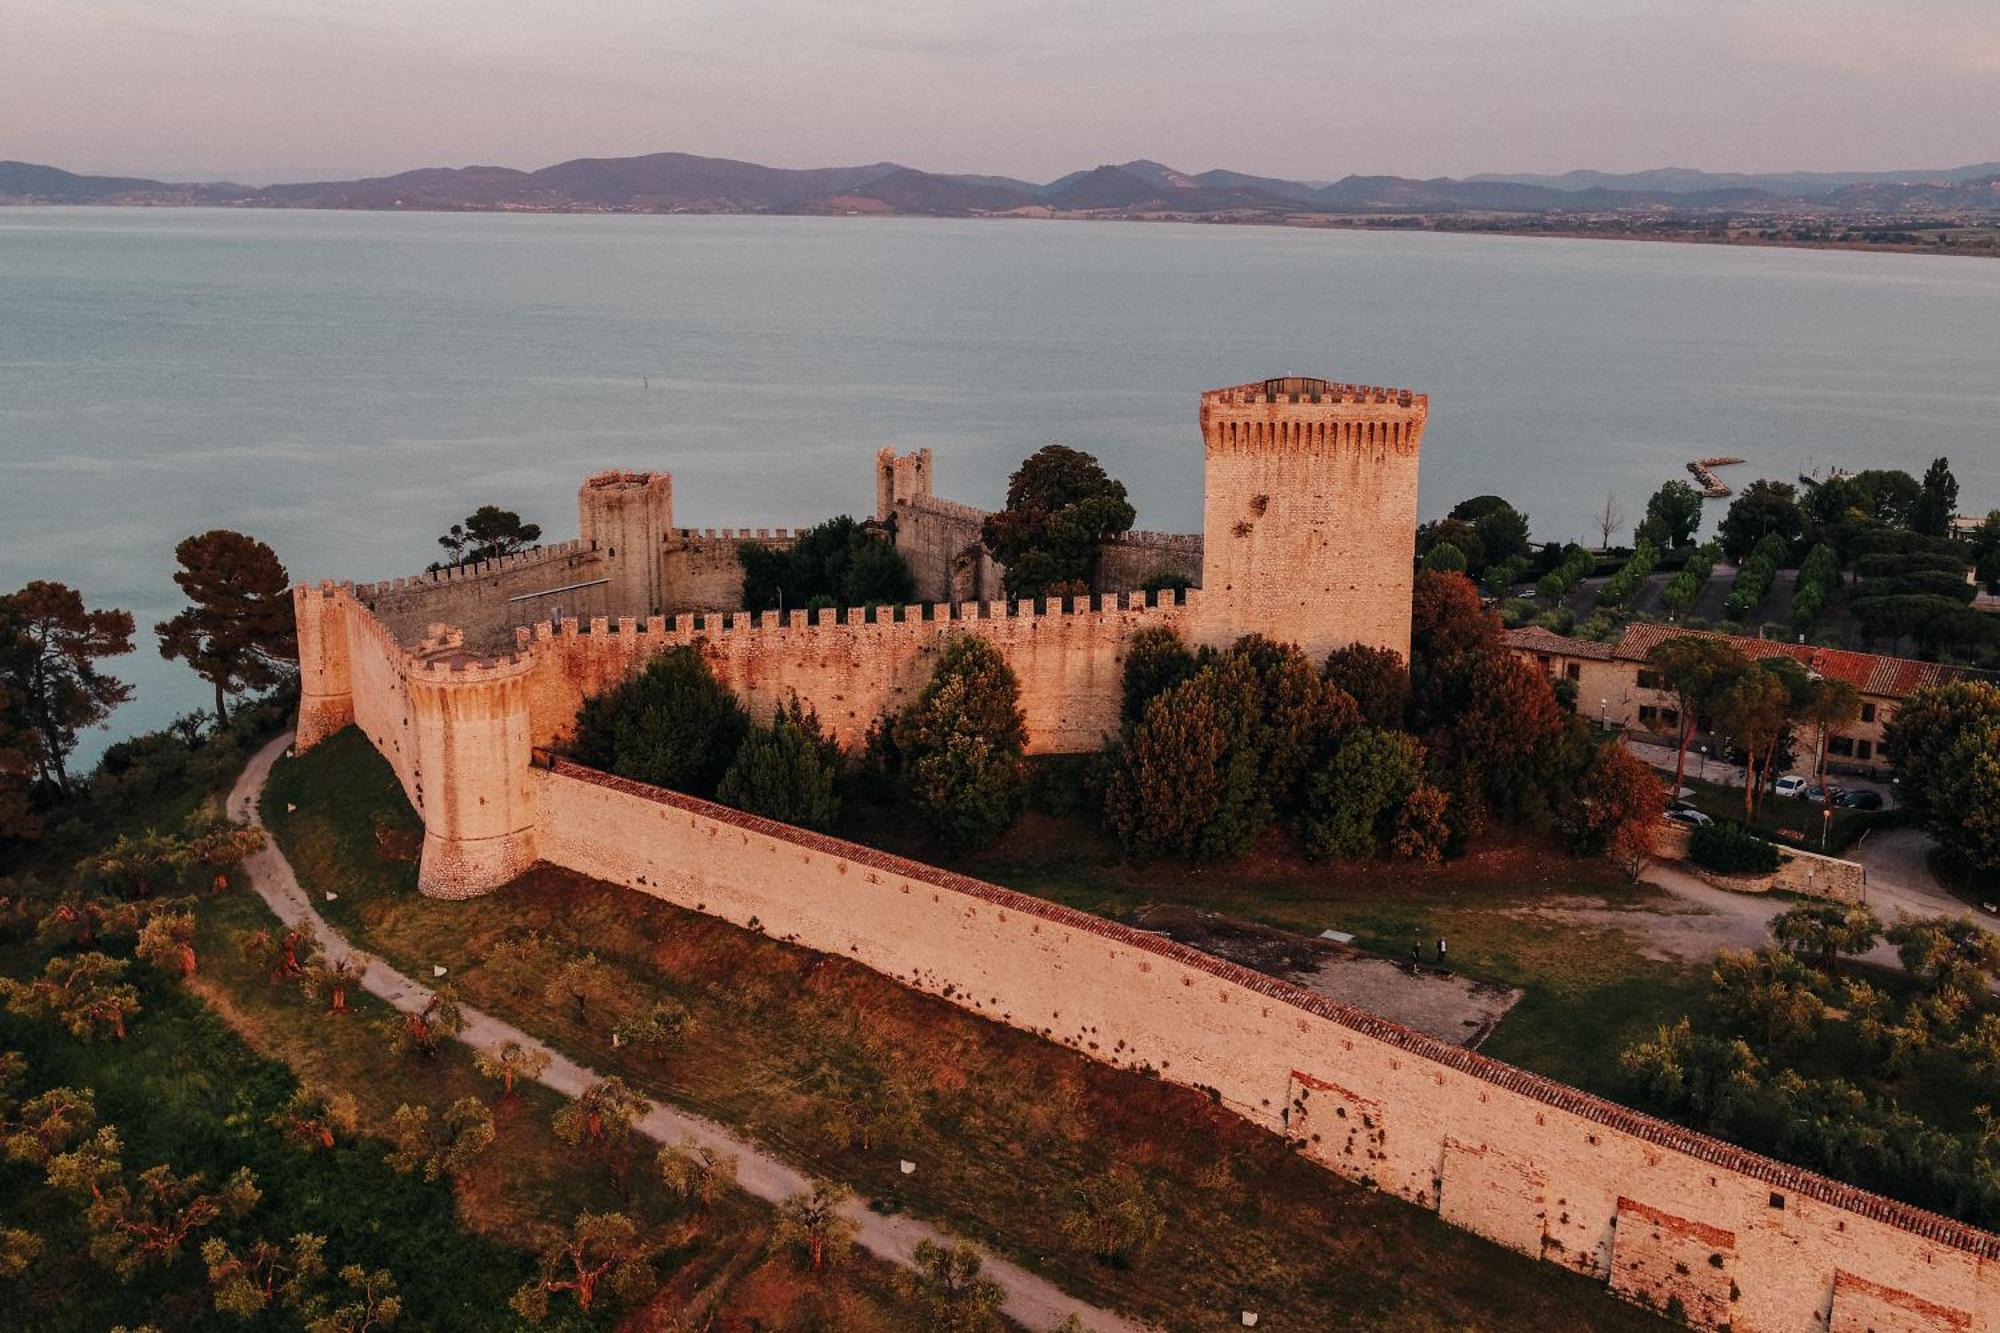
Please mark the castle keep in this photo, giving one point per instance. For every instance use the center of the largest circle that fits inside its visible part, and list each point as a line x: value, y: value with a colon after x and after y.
x: 1308, y: 535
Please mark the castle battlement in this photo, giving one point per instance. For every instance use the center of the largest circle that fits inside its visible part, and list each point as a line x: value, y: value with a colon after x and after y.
x: 738, y: 534
x: 468, y: 573
x: 1297, y: 389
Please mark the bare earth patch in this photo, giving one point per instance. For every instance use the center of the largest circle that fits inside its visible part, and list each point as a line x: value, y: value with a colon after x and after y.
x: 1430, y: 999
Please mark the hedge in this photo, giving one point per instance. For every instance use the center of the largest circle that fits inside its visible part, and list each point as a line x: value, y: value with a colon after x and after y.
x: 1731, y: 849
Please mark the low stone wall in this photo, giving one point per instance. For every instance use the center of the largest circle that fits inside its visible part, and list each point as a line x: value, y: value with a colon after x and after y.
x: 1665, y: 1216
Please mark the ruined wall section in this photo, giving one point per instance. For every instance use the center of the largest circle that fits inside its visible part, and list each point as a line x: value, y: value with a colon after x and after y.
x: 853, y: 668
x: 1662, y: 1214
x: 1131, y: 559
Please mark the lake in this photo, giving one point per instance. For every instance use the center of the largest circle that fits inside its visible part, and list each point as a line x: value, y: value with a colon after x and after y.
x: 345, y: 385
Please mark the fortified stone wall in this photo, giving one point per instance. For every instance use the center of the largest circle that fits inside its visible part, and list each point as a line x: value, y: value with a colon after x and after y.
x: 1137, y: 556
x: 852, y: 669
x: 1663, y: 1215
x: 489, y: 599
x: 701, y: 570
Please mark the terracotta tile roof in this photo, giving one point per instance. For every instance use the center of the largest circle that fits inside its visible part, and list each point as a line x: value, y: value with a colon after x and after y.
x: 1891, y: 1212
x: 1535, y: 639
x: 1870, y: 673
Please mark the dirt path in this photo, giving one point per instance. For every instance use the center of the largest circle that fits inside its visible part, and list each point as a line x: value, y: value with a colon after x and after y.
x: 1031, y: 1300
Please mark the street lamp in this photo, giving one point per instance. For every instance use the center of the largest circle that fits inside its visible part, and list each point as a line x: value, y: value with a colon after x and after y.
x: 1603, y: 705
x: 1704, y: 763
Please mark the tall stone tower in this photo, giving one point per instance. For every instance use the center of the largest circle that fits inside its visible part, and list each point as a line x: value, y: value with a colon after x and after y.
x: 630, y: 516
x: 1310, y: 516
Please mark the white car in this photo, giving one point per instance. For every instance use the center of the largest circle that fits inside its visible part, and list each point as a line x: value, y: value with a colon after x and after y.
x: 1794, y: 785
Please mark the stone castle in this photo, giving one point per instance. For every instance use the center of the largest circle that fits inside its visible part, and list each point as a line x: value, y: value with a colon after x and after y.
x: 462, y: 678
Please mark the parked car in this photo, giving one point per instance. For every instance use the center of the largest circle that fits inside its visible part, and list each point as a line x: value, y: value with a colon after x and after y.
x: 1859, y: 800
x: 1687, y: 814
x: 1792, y: 785
x: 1820, y: 795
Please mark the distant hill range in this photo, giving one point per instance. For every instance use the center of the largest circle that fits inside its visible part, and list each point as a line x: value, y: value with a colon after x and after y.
x: 681, y: 182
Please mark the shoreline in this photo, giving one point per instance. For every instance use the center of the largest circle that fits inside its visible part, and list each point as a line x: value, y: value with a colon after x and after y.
x: 1349, y: 222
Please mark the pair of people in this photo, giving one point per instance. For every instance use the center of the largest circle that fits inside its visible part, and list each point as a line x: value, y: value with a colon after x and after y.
x: 1417, y: 952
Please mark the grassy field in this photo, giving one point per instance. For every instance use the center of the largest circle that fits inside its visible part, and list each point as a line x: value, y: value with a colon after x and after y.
x: 208, y: 1062
x: 846, y: 1073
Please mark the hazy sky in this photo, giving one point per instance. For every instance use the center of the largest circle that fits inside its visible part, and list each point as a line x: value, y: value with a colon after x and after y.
x: 272, y: 89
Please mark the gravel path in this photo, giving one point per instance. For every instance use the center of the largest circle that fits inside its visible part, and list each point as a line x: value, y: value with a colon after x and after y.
x: 1031, y: 1300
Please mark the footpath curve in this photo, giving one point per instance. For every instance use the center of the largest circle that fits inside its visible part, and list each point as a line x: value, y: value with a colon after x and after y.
x: 1031, y: 1300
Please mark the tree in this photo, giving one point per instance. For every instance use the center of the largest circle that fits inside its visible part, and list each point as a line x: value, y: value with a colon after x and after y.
x: 1061, y: 507
x: 1299, y: 715
x: 1986, y: 550
x: 145, y: 1222
x: 1764, y: 507
x: 308, y: 1119
x: 1672, y: 516
x: 488, y: 533
x: 1446, y: 557
x: 1947, y: 953
x: 19, y: 818
x: 961, y: 743
x: 836, y: 563
x: 1831, y: 706
x: 167, y: 942
x: 423, y: 1031
x: 672, y: 725
x: 1609, y: 520
x: 1185, y: 780
x: 1937, y: 501
x: 783, y: 772
x: 1946, y: 742
x: 19, y: 1248
x: 445, y: 1146
x: 264, y: 1274
x: 1377, y: 679
x: 239, y: 634
x: 699, y: 1174
x: 1353, y: 798
x: 816, y: 1223
x: 280, y: 957
x: 82, y: 992
x: 1113, y: 1218
x: 1619, y: 801
x: 1696, y: 670
x: 1502, y: 529
x: 949, y: 1291
x: 1751, y: 714
x: 50, y: 646
x: 1423, y: 825
x: 333, y: 978
x: 1827, y: 930
x: 1155, y: 661
x: 657, y: 1031
x: 510, y: 1061
x: 580, y: 981
x: 601, y: 1116
x: 372, y: 1305
x: 603, y: 1254
x: 47, y: 1124
x: 1771, y: 991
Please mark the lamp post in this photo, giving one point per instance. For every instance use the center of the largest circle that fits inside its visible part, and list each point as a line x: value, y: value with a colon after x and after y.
x: 1603, y: 723
x: 1704, y: 763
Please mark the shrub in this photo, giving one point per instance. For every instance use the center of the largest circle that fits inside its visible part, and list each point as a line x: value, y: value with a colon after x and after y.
x: 960, y: 746
x: 1732, y: 849
x: 1683, y: 588
x: 1184, y: 781
x: 1352, y: 799
x: 1624, y: 585
x: 672, y: 725
x: 786, y: 771
x: 1755, y: 575
x: 1377, y: 679
x: 836, y: 563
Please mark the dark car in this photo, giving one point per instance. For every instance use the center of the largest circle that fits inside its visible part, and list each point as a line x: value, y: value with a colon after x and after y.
x: 1820, y: 795
x: 1859, y: 800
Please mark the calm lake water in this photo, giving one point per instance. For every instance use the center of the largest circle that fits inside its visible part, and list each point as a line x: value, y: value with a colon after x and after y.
x: 345, y: 385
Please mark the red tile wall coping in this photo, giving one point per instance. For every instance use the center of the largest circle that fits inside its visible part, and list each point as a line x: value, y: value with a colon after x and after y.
x: 1716, y: 1238
x: 1907, y: 1217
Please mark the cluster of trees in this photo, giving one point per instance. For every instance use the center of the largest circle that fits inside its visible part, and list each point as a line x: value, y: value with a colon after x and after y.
x: 1576, y: 566
x: 1630, y: 577
x: 838, y: 563
x: 1478, y: 535
x: 487, y: 533
x: 1755, y: 575
x: 1673, y: 516
x: 235, y: 633
x: 1686, y: 585
x: 1752, y: 705
x: 1946, y: 740
x: 1819, y: 579
x: 1892, y: 1054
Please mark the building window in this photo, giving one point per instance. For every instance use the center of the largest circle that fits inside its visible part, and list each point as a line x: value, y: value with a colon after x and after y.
x: 1863, y: 750
x: 1868, y: 712
x: 1574, y: 671
x: 1671, y: 716
x: 1649, y: 680
x: 1842, y: 746
x: 1648, y: 715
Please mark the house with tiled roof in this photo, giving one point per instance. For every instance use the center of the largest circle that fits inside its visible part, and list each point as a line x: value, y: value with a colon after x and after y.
x: 1616, y: 685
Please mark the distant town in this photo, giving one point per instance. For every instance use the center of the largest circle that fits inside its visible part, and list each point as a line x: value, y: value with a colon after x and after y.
x: 1947, y: 211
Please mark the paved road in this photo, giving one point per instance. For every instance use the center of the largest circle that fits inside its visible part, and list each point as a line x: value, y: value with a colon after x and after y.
x: 1031, y: 1300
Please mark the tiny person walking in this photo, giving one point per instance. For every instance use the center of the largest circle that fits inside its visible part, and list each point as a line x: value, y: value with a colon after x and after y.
x: 1440, y: 951
x: 1417, y: 954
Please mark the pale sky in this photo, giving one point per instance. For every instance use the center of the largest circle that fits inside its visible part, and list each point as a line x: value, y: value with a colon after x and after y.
x: 264, y: 90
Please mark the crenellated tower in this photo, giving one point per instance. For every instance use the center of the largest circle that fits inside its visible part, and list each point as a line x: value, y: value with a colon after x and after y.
x: 630, y: 517
x: 1310, y: 514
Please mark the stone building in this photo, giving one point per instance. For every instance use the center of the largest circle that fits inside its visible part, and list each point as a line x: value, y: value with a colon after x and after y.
x: 1617, y: 686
